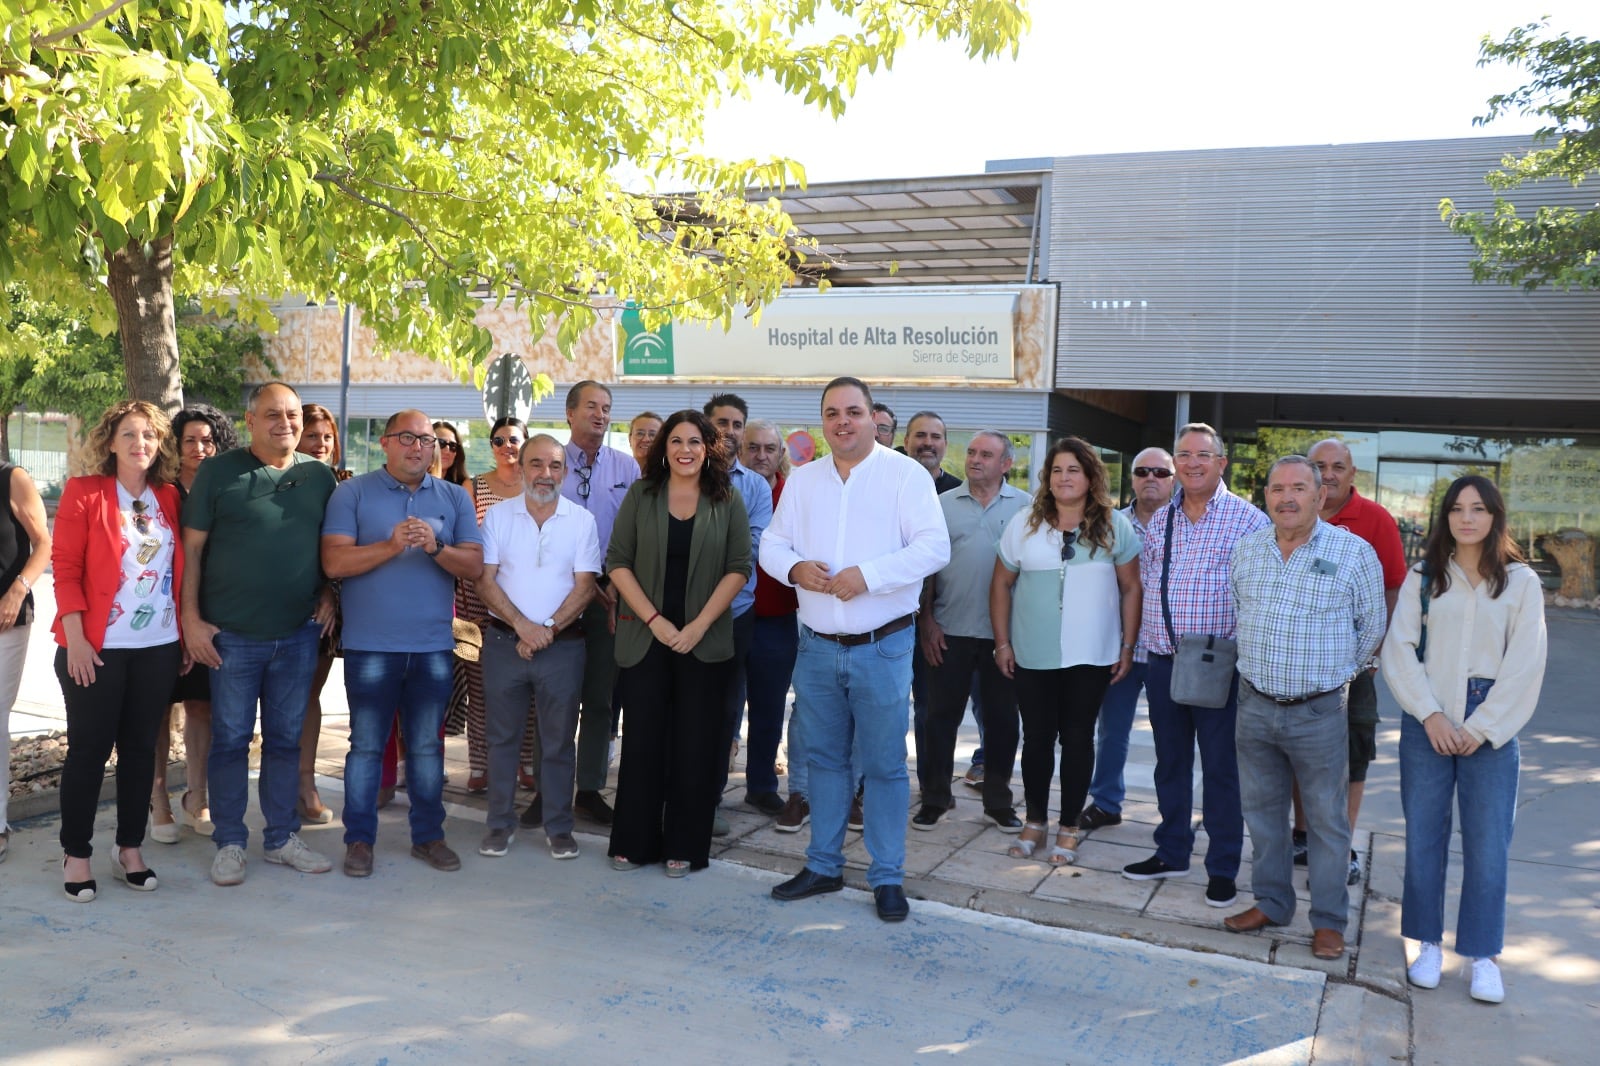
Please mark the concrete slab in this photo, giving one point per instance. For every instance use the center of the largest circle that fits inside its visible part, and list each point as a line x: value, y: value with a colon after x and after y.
x: 1359, y: 1027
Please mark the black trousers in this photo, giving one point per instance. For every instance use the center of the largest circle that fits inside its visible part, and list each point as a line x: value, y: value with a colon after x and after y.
x: 949, y: 685
x: 1059, y: 704
x: 123, y: 708
x: 666, y: 798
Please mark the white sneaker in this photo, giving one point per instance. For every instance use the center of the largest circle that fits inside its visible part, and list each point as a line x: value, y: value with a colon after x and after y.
x: 228, y: 867
x: 1424, y: 972
x: 1486, y: 984
x: 295, y: 853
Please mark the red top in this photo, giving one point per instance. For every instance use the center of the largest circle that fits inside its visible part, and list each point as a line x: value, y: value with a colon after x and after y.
x: 773, y: 598
x: 86, y: 552
x: 1370, y: 522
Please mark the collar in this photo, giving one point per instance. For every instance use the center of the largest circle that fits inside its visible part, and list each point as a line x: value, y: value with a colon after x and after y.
x: 391, y: 482
x: 574, y: 452
x: 1355, y: 494
x: 1222, y: 490
x: 564, y: 507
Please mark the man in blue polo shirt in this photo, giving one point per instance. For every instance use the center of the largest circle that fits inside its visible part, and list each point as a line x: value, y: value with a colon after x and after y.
x: 399, y: 538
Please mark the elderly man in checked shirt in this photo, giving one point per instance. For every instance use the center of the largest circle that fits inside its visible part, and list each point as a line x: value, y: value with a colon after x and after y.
x: 1309, y: 598
x: 1206, y: 521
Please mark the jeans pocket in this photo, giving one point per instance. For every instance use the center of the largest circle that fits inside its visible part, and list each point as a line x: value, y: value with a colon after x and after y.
x: 898, y: 645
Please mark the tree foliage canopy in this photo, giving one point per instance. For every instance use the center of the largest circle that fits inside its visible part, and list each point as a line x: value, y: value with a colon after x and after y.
x: 412, y: 156
x: 1553, y: 245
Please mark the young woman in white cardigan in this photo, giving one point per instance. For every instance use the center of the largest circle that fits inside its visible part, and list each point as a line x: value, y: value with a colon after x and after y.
x: 1465, y: 659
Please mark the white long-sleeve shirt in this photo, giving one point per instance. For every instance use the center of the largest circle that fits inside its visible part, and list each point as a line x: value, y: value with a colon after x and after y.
x: 1470, y: 634
x: 885, y: 519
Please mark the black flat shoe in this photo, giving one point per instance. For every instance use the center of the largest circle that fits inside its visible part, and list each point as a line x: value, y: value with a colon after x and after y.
x: 891, y: 902
x: 142, y: 881
x: 806, y: 883
x: 77, y: 891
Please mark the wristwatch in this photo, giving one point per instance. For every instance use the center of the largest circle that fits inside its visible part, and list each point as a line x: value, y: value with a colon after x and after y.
x: 550, y: 624
x: 438, y: 546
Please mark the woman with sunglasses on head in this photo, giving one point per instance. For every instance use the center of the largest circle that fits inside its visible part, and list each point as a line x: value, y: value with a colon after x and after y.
x: 679, y: 553
x: 118, y: 561
x: 201, y: 431
x: 504, y: 482
x: 1465, y: 660
x: 319, y: 438
x: 449, y: 455
x: 1064, y: 602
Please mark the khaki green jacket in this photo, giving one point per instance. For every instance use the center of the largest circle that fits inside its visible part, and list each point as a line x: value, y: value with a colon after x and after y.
x: 719, y: 546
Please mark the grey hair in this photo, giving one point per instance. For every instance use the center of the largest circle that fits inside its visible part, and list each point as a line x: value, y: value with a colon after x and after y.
x: 1296, y: 460
x: 1005, y: 441
x: 1201, y: 427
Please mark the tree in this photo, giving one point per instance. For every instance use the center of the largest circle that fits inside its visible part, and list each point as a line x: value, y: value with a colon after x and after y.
x: 1554, y: 245
x: 413, y: 156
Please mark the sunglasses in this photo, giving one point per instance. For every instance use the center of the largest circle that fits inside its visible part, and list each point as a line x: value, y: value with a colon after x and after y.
x: 1067, y: 551
x: 141, y: 520
x: 449, y: 445
x: 501, y: 442
x: 1152, y: 471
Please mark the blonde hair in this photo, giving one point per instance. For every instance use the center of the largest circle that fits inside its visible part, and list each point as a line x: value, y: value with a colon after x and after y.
x: 163, y: 470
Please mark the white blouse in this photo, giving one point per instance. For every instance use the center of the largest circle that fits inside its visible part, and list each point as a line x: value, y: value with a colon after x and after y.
x: 1470, y: 634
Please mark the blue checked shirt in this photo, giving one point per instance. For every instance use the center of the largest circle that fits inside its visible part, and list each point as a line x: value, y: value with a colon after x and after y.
x: 1309, y: 623
x: 1200, y: 597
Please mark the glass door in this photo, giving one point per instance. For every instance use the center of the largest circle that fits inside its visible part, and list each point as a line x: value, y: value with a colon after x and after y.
x: 1410, y: 489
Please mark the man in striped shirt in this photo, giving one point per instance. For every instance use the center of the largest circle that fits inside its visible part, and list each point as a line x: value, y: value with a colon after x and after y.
x: 1206, y: 522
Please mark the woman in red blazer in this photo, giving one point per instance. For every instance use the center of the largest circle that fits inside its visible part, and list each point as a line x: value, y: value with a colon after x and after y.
x: 118, y: 561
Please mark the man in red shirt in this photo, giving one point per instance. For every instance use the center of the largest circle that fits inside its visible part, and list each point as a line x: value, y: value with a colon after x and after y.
x: 1346, y: 507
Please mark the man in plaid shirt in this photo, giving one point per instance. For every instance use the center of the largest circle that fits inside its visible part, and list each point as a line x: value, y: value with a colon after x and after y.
x: 1207, y: 521
x: 1311, y: 613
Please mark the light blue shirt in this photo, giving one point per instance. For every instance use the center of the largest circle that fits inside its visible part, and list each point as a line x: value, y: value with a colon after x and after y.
x: 406, y: 603
x: 757, y: 496
x: 961, y: 589
x: 599, y: 487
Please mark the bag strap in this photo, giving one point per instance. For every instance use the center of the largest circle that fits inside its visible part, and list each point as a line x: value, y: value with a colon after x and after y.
x: 1422, y: 642
x: 1166, y: 568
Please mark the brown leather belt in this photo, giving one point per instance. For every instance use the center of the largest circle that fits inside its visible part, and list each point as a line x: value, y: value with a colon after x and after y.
x: 1289, y: 701
x: 574, y: 632
x: 853, y: 640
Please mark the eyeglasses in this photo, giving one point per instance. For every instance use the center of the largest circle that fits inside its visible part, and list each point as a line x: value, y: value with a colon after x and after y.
x: 584, y: 474
x: 1067, y: 551
x: 141, y: 520
x: 1152, y: 471
x: 427, y: 440
x: 501, y: 442
x: 449, y: 445
x: 1204, y: 457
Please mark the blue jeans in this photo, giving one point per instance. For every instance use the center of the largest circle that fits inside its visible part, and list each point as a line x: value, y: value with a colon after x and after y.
x: 1107, y: 788
x: 277, y: 675
x: 845, y: 694
x: 1177, y: 728
x: 1308, y: 742
x: 770, y: 667
x: 378, y: 683
x: 1484, y: 785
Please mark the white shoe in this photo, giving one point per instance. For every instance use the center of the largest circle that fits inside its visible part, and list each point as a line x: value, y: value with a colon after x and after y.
x: 228, y: 867
x: 1424, y: 972
x: 1486, y: 984
x: 295, y: 853
x: 165, y: 834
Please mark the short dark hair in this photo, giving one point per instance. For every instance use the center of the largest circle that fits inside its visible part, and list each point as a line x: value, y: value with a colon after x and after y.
x: 575, y: 393
x: 845, y: 380
x: 924, y: 414
x: 726, y: 399
x: 222, y: 431
x: 885, y: 409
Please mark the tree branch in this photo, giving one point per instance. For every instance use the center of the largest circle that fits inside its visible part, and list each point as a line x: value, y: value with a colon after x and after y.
x: 72, y: 31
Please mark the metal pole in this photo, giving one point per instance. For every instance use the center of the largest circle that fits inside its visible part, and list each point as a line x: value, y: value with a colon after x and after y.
x: 1180, y: 412
x: 344, y: 379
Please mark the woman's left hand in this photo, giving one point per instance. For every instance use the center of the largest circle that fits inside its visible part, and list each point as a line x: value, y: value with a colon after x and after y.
x: 1466, y: 743
x: 684, y: 640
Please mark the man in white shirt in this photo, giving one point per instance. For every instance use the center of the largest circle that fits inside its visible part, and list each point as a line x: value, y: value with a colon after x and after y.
x: 855, y: 533
x: 541, y: 556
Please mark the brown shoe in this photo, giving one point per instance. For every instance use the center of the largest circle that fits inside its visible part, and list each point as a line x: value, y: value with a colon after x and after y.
x: 796, y: 813
x: 1249, y: 921
x: 358, y: 860
x: 437, y: 854
x: 1327, y: 943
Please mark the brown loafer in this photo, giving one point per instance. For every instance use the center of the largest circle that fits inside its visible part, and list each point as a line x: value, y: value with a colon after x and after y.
x: 1327, y: 943
x: 1249, y: 921
x: 437, y: 854
x: 358, y: 860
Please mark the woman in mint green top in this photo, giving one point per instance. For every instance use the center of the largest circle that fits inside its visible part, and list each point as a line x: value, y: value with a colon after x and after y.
x: 1064, y: 602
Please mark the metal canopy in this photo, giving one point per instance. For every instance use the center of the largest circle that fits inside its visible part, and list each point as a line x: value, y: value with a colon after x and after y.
x: 963, y: 230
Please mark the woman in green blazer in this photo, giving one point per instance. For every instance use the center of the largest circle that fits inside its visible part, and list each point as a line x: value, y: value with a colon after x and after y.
x: 680, y: 551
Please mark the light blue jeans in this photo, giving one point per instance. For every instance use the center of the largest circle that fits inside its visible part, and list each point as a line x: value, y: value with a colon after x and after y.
x: 276, y: 674
x: 856, y: 694
x: 1484, y: 785
x: 1107, y: 788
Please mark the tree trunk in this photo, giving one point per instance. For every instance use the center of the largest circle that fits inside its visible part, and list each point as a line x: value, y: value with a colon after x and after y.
x: 140, y: 279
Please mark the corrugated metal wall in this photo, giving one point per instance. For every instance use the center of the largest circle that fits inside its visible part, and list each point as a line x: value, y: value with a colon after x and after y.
x: 1311, y: 269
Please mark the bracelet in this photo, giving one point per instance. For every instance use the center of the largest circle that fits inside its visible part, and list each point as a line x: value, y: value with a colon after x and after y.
x: 649, y: 621
x: 1127, y: 647
x: 1000, y: 648
x: 25, y: 582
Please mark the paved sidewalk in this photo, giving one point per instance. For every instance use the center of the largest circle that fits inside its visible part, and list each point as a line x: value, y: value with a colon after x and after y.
x: 1367, y: 1012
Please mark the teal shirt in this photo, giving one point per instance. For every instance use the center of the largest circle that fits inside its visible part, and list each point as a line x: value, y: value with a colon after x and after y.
x: 961, y: 589
x: 1066, y: 613
x: 262, y: 566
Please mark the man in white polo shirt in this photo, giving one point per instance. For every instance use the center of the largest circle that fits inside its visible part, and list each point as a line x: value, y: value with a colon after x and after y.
x: 856, y: 533
x: 541, y: 557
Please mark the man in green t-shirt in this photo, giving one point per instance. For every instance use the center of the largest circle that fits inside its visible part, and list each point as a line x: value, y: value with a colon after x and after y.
x: 254, y: 605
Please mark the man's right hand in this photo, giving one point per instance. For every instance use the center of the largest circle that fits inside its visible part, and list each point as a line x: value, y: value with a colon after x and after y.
x: 197, y: 637
x: 811, y: 575
x: 931, y: 636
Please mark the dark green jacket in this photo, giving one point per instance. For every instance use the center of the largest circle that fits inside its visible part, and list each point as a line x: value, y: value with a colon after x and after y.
x: 719, y: 546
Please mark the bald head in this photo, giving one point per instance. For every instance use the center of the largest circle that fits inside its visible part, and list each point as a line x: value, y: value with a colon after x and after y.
x: 1152, y: 480
x: 1337, y: 469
